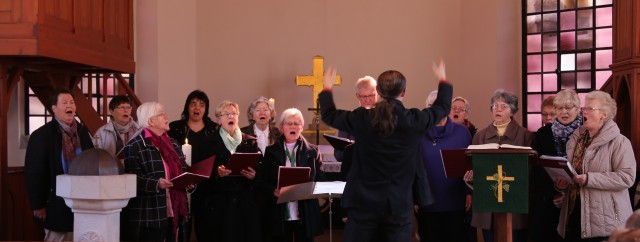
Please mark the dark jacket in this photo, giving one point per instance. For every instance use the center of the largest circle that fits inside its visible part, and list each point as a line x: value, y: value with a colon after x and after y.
x: 544, y: 213
x: 307, y: 155
x: 180, y: 131
x: 149, y: 208
x: 384, y: 169
x: 226, y: 206
x: 514, y: 135
x: 43, y: 163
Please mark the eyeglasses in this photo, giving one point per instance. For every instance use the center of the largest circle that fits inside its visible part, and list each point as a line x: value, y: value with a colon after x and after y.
x: 548, y: 114
x: 261, y: 110
x: 565, y: 108
x: 501, y: 106
x: 366, y: 96
x: 588, y: 109
x: 297, y: 124
x: 126, y: 108
x: 460, y: 109
x: 228, y: 114
x: 160, y: 115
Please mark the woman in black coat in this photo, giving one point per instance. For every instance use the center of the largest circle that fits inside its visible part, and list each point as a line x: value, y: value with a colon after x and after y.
x: 224, y: 207
x: 552, y: 139
x: 300, y: 220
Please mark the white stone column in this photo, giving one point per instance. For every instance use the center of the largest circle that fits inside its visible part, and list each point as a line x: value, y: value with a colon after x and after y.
x: 96, y: 202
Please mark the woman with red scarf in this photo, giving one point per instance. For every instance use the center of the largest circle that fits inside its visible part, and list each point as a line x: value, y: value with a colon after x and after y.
x: 158, y: 207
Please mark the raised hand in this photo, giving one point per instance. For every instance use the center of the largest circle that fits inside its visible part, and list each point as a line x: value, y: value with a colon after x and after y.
x: 439, y: 70
x: 329, y: 77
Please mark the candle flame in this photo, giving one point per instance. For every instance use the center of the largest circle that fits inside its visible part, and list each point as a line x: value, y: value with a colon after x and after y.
x: 186, y: 141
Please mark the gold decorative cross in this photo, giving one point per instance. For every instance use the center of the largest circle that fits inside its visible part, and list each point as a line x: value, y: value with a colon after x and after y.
x: 316, y: 80
x: 500, y: 177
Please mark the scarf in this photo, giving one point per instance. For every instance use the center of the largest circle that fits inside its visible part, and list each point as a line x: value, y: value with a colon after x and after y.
x: 262, y: 137
x: 501, y: 128
x: 231, y: 142
x: 171, y: 158
x: 561, y: 134
x: 578, y: 154
x: 70, y: 140
x: 123, y: 132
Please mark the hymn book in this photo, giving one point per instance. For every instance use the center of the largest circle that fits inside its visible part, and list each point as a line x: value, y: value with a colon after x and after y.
x: 195, y: 174
x: 288, y: 176
x: 497, y: 146
x: 557, y: 167
x: 455, y: 162
x: 242, y: 161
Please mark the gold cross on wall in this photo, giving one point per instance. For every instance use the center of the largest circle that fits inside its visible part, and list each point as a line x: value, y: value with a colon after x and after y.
x: 499, y: 178
x: 316, y: 80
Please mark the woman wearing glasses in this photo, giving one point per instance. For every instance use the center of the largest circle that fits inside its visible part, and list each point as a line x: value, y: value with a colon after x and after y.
x: 114, y: 135
x: 301, y: 220
x: 551, y: 139
x: 226, y: 205
x: 503, y: 130
x: 460, y: 109
x: 598, y: 201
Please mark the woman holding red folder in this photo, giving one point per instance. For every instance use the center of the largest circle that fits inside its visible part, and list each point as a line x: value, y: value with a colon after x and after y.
x: 299, y: 219
x: 159, y: 209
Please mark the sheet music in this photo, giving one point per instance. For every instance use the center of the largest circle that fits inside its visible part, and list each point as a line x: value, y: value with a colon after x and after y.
x: 335, y: 187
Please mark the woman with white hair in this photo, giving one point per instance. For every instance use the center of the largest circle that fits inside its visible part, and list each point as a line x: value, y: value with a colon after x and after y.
x: 158, y: 207
x: 598, y: 201
x: 299, y: 219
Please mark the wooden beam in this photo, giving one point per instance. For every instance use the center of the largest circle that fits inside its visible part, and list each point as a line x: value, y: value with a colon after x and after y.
x: 8, y: 80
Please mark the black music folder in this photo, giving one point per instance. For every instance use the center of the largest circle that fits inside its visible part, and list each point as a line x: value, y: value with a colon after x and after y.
x: 557, y: 166
x: 338, y: 143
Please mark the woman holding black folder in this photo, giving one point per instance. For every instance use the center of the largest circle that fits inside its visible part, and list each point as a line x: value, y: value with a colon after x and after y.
x: 299, y: 219
x: 551, y: 140
x: 224, y: 206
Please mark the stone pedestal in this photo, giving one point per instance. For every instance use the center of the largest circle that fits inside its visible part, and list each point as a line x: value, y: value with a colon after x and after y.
x: 96, y: 202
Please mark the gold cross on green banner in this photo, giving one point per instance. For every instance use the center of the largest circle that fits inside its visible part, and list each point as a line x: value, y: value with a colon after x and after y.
x: 500, y: 177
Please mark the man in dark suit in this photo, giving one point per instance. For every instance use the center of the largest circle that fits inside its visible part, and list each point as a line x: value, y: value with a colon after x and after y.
x: 51, y: 149
x: 379, y: 194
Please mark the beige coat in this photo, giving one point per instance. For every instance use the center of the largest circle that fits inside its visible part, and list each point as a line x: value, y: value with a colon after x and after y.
x: 610, y: 167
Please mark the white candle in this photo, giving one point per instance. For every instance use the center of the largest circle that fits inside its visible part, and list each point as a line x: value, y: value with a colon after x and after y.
x: 186, y: 150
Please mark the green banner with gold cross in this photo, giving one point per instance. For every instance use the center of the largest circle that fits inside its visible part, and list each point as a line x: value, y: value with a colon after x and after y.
x: 500, y: 183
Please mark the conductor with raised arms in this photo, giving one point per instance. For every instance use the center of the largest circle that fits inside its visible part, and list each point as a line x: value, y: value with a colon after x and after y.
x: 387, y: 167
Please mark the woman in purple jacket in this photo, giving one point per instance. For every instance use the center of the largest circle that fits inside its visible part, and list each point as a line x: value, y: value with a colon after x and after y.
x: 444, y: 219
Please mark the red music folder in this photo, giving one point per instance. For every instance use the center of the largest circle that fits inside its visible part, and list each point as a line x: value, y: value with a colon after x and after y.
x: 239, y: 161
x: 455, y: 162
x: 195, y: 174
x: 288, y: 176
